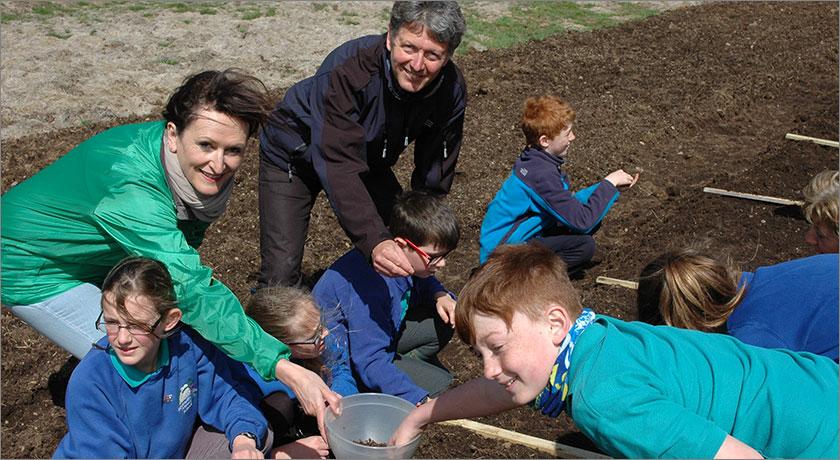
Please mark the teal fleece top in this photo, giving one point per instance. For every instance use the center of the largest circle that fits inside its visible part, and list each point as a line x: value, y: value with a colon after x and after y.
x: 643, y: 391
x: 103, y: 201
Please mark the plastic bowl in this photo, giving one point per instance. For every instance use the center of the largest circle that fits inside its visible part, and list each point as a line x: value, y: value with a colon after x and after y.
x: 369, y: 416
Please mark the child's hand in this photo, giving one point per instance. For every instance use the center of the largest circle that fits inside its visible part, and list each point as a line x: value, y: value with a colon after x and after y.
x: 407, y: 430
x: 245, y: 447
x: 621, y: 179
x: 446, y: 308
x: 309, y: 447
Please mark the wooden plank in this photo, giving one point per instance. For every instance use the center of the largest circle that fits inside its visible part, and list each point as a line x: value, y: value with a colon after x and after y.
x: 750, y: 196
x: 816, y: 140
x: 617, y: 282
x: 543, y: 445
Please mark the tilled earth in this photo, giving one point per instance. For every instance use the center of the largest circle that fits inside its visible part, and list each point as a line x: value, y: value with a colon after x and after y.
x: 699, y: 96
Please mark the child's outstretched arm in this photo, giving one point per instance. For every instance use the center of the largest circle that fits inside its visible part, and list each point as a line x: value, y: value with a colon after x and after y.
x: 474, y: 398
x: 619, y: 178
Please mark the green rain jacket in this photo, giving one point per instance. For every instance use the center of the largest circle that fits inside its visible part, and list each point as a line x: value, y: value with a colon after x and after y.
x: 105, y: 200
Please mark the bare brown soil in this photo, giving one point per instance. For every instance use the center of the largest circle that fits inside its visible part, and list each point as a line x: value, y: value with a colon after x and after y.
x: 700, y: 96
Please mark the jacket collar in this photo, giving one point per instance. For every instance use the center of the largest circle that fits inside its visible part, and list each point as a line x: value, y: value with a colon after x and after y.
x: 530, y: 152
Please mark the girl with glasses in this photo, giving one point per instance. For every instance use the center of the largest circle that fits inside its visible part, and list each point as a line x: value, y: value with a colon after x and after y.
x: 291, y: 315
x: 141, y: 390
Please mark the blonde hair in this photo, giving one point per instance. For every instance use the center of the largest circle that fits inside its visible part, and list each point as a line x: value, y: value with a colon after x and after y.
x: 287, y: 313
x: 545, y: 116
x: 524, y: 278
x: 821, y: 206
x: 690, y: 290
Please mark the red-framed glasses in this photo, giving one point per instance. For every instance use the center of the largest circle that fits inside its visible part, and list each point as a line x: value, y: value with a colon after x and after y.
x: 431, y: 260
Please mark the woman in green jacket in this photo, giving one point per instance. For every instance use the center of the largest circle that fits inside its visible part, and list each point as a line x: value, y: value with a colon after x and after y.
x: 148, y: 189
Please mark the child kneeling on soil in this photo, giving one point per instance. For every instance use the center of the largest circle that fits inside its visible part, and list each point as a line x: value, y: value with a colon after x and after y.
x: 290, y: 315
x: 821, y: 209
x: 791, y: 305
x: 536, y: 202
x: 634, y: 389
x: 394, y: 327
x: 142, y: 389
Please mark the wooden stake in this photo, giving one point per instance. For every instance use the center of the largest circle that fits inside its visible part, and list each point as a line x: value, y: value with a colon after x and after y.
x: 816, y: 140
x: 543, y: 445
x: 617, y: 282
x: 750, y: 196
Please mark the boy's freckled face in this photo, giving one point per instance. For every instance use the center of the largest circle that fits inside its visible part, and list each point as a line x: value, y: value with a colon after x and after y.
x: 519, y: 358
x: 559, y: 144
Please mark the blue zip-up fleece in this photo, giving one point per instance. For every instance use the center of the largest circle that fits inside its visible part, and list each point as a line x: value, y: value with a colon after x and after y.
x: 364, y: 310
x: 334, y: 357
x: 107, y: 418
x: 537, y: 196
x: 352, y: 119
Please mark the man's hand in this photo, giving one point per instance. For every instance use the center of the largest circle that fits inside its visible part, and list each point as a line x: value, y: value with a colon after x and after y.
x: 245, y: 447
x: 445, y: 307
x: 389, y: 259
x: 311, y: 391
x: 620, y: 178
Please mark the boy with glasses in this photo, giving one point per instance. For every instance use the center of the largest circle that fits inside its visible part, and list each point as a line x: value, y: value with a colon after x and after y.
x: 393, y: 328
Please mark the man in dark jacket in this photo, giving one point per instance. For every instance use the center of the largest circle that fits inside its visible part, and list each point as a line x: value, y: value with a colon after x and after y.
x: 344, y: 128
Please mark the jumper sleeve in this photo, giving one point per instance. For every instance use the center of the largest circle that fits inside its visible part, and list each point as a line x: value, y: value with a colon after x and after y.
x: 95, y: 428
x: 362, y: 316
x: 227, y: 398
x: 426, y: 288
x: 372, y: 352
x: 140, y: 220
x: 338, y: 361
x: 341, y: 138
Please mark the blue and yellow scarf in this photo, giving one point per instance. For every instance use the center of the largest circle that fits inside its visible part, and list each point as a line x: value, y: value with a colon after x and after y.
x: 552, y: 400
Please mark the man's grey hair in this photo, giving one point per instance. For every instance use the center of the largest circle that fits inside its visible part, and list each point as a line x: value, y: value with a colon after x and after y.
x: 441, y: 19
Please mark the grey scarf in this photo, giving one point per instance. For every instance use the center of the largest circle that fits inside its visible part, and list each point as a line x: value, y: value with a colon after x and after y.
x: 189, y: 204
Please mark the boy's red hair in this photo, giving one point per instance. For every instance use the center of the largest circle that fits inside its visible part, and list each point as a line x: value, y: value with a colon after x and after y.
x: 545, y: 116
x: 524, y: 278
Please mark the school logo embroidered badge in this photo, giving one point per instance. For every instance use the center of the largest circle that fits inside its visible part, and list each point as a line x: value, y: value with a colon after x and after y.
x: 185, y: 398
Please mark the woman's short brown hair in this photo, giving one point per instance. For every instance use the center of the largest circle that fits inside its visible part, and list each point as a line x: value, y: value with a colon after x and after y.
x: 232, y: 92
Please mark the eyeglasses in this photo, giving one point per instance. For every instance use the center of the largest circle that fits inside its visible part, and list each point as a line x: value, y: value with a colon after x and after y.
x: 113, y: 327
x: 317, y: 339
x: 432, y: 260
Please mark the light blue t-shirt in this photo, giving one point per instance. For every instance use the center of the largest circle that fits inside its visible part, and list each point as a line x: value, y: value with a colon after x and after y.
x: 654, y: 391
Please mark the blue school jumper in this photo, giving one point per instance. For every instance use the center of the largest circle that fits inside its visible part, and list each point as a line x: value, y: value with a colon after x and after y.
x: 366, y: 311
x: 108, y: 418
